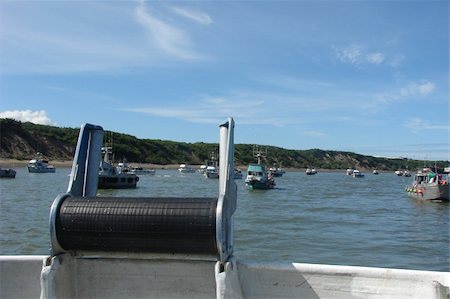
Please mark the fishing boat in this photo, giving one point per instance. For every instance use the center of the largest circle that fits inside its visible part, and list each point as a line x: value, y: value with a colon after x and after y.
x: 7, y: 173
x: 310, y: 171
x: 375, y: 172
x: 257, y: 175
x: 142, y: 247
x: 202, y: 169
x: 428, y: 185
x: 211, y: 172
x: 212, y: 168
x: 185, y: 168
x: 276, y: 171
x: 141, y: 171
x: 398, y: 173
x: 238, y: 174
x: 40, y: 165
x: 349, y: 171
x: 357, y: 174
x: 111, y: 177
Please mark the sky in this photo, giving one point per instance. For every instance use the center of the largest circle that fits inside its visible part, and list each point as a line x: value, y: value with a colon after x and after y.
x: 370, y: 77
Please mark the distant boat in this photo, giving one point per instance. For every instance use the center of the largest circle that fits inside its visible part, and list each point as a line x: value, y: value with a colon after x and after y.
x: 7, y: 173
x: 185, y: 168
x: 399, y: 173
x: 211, y: 172
x: 357, y: 174
x: 110, y: 177
x: 375, y: 171
x: 310, y: 171
x: 257, y: 176
x: 212, y: 169
x: 142, y: 171
x: 276, y: 171
x: 349, y: 171
x: 428, y: 185
x: 406, y: 173
x: 40, y: 165
x: 237, y: 174
x: 202, y: 169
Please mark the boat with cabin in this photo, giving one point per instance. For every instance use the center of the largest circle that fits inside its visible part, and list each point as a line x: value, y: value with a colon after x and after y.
x: 9, y: 173
x: 40, y: 165
x: 275, y: 171
x: 238, y: 174
x: 357, y: 174
x: 143, y: 247
x: 257, y: 175
x: 115, y: 177
x: 141, y: 171
x: 429, y: 185
x: 211, y: 172
x: 310, y: 171
x: 212, y: 168
x: 185, y: 168
x: 375, y: 172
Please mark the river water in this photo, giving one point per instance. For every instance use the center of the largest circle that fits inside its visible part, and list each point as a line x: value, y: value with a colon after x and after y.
x: 328, y: 218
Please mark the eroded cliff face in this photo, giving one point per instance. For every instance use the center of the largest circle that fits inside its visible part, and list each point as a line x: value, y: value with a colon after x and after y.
x: 16, y: 142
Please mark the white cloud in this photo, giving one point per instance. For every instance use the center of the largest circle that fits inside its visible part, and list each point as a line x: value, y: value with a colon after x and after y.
x: 164, y: 36
x: 415, y: 89
x: 313, y: 133
x: 38, y: 117
x: 375, y: 58
x: 358, y: 54
x: 418, y: 124
x: 197, y: 16
x: 352, y: 54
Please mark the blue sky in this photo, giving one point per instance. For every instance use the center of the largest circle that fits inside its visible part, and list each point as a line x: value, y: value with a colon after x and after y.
x: 370, y: 77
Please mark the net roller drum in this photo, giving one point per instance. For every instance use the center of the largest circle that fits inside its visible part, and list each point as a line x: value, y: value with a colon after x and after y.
x: 126, y: 224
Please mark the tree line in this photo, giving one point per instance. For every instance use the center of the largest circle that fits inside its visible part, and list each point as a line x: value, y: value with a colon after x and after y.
x: 20, y: 140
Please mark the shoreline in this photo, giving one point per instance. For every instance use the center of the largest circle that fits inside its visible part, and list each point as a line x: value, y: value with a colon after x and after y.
x: 13, y: 163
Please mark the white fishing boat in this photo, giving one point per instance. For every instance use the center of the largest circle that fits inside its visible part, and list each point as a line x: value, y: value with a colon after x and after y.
x: 357, y: 174
x: 276, y: 171
x: 185, y: 168
x: 398, y: 173
x: 7, y: 173
x: 169, y: 251
x: 141, y: 171
x: 428, y: 185
x: 211, y: 172
x: 212, y: 168
x: 40, y: 165
x: 202, y: 169
x: 310, y: 171
x: 349, y: 171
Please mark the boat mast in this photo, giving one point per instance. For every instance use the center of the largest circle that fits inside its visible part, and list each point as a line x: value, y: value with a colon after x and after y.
x: 259, y: 154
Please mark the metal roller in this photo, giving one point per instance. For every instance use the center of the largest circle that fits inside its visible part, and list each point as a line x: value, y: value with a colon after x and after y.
x: 160, y: 225
x: 80, y: 221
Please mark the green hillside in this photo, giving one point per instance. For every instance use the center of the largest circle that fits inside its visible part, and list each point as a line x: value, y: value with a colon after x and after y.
x: 22, y: 140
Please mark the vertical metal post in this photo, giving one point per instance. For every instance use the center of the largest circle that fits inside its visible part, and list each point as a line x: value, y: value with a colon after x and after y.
x: 84, y: 175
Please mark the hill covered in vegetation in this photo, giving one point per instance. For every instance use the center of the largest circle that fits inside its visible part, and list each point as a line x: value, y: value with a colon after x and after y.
x: 22, y: 140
